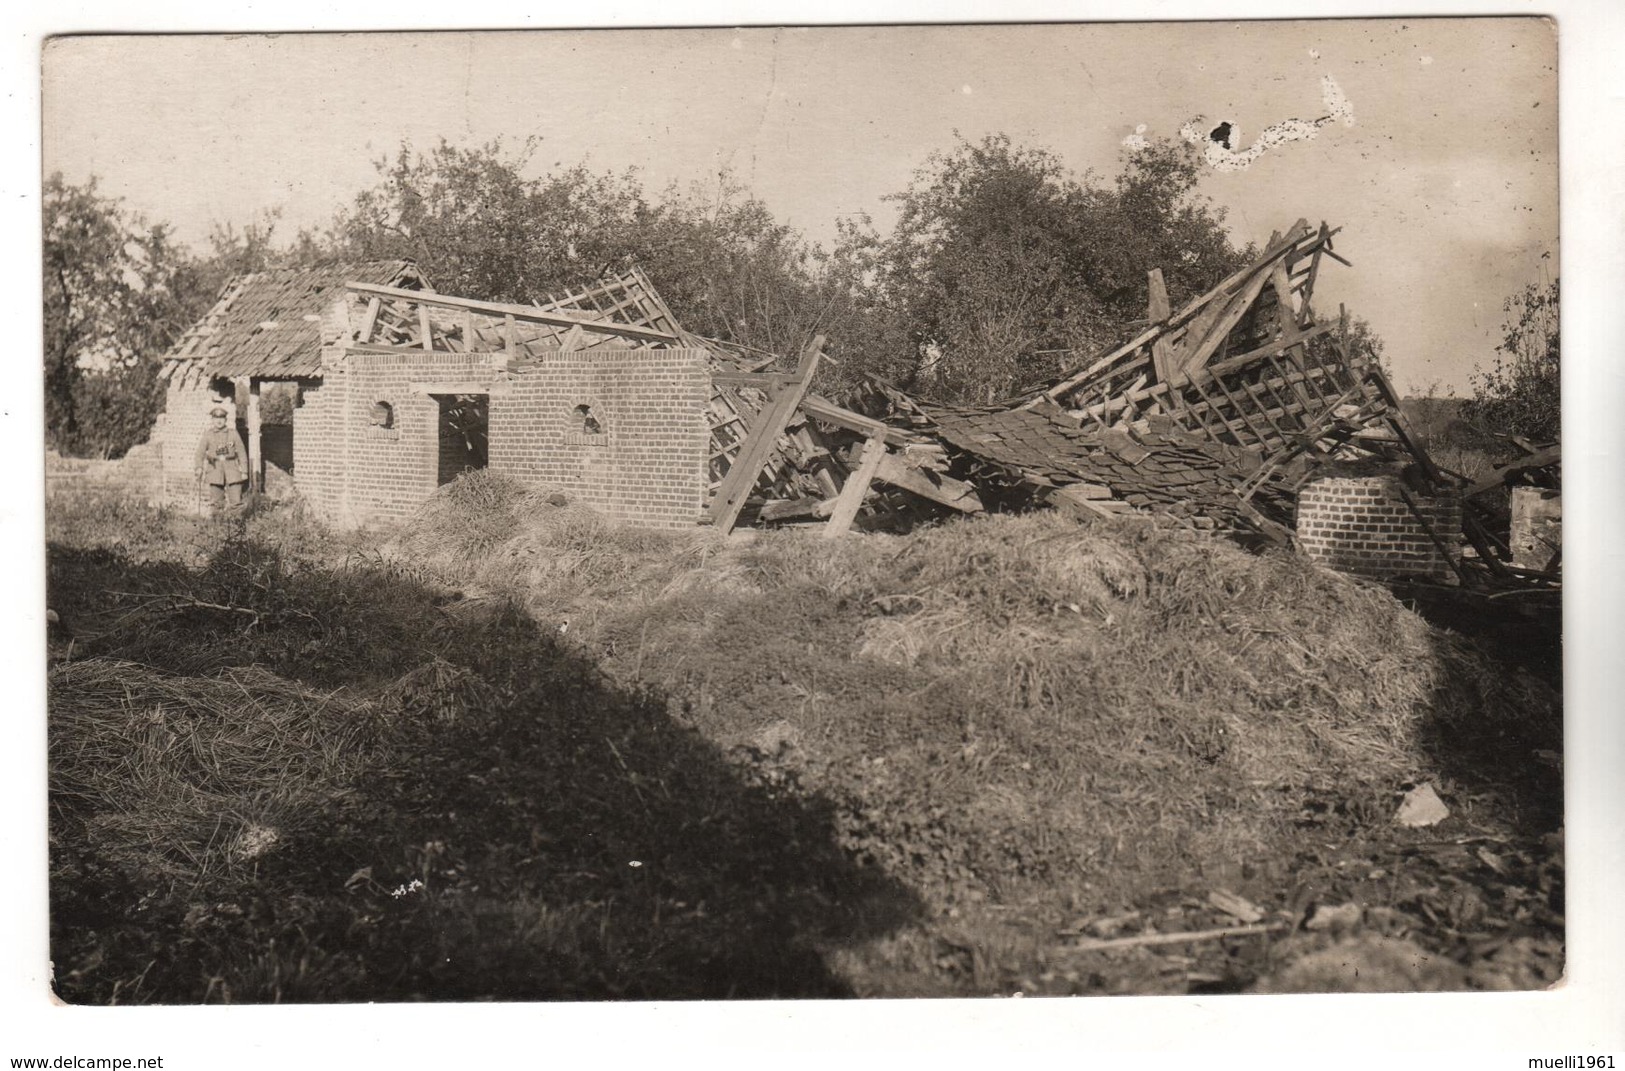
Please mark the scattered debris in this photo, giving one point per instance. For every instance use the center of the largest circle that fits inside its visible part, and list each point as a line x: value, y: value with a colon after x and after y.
x: 1239, y: 906
x: 1140, y: 940
x: 1421, y: 807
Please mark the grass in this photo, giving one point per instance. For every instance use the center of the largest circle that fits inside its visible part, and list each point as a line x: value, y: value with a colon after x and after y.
x: 887, y: 765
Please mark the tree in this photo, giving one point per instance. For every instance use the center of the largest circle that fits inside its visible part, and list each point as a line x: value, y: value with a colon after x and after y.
x: 118, y: 292
x: 1521, y: 395
x: 1003, y: 266
x: 478, y: 226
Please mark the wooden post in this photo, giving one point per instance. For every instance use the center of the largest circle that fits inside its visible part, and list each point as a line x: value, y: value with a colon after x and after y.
x: 857, y: 486
x: 364, y: 334
x: 425, y: 327
x: 256, y: 478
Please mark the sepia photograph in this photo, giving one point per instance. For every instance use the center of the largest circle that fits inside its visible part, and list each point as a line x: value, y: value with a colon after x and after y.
x: 803, y: 513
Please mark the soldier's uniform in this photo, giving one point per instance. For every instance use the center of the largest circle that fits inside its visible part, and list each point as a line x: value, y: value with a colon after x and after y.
x: 222, y: 464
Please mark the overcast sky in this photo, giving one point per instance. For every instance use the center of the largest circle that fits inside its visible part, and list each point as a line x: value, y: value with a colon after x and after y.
x: 1446, y: 183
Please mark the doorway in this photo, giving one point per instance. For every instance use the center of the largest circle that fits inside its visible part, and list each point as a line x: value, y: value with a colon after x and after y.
x: 464, y: 431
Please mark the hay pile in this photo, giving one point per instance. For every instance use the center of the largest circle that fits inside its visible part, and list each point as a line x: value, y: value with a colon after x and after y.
x: 1010, y: 700
x: 488, y: 532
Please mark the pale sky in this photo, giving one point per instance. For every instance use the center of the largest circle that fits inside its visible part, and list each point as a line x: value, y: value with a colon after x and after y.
x: 1446, y: 183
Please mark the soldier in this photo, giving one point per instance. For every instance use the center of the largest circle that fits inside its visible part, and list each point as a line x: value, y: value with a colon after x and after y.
x: 222, y: 462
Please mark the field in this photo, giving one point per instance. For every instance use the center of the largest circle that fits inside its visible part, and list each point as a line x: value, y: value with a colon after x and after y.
x: 511, y: 752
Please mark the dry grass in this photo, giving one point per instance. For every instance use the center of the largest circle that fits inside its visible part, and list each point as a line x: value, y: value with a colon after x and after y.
x: 1005, y: 703
x: 999, y: 721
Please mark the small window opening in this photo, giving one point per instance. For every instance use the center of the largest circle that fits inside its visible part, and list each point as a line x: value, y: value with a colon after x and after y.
x: 383, y: 415
x: 587, y: 422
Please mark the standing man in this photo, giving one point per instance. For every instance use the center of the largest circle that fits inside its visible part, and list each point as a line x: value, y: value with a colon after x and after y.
x: 222, y: 462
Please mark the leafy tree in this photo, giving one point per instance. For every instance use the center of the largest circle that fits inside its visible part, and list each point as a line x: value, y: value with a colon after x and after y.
x: 1521, y: 395
x: 1003, y: 266
x: 118, y: 292
x: 478, y: 226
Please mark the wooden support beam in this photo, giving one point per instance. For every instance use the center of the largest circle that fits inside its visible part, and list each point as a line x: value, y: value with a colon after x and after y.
x: 827, y: 411
x: 251, y: 414
x: 528, y: 313
x: 723, y: 509
x: 797, y: 509
x: 1295, y: 237
x: 425, y: 328
x: 944, y: 490
x: 1216, y: 328
x: 1159, y: 310
x: 857, y: 486
x: 363, y: 334
x: 1438, y: 544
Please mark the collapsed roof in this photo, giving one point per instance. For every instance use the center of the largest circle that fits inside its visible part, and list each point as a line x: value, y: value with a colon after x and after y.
x: 1214, y: 415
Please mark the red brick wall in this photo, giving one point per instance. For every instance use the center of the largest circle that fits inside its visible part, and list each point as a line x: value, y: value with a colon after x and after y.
x: 1362, y: 525
x: 647, y: 465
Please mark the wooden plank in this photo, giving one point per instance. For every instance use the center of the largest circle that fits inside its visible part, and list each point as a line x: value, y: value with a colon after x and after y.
x: 425, y: 328
x: 944, y: 490
x: 364, y: 334
x: 857, y: 486
x: 461, y: 386
x: 823, y: 409
x: 1159, y: 310
x: 1281, y: 283
x: 528, y: 313
x: 1218, y: 328
x: 797, y: 509
x: 723, y: 509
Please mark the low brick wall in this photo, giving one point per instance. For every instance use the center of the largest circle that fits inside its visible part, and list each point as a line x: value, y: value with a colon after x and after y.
x: 1361, y: 525
x: 1537, y: 526
x: 139, y: 472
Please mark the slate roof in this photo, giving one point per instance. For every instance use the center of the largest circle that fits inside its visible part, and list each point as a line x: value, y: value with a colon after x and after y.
x: 268, y: 323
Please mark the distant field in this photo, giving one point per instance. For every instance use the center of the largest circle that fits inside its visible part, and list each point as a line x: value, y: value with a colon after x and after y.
x: 512, y: 752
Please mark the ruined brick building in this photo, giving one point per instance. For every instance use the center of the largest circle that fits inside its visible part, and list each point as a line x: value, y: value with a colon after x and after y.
x: 371, y: 390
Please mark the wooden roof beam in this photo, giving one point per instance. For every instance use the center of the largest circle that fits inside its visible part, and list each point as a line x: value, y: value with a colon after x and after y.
x: 529, y: 313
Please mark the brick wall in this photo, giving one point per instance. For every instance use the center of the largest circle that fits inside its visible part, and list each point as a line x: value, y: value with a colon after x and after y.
x: 175, y: 436
x: 1362, y: 525
x: 139, y: 472
x: 349, y: 469
x: 646, y: 466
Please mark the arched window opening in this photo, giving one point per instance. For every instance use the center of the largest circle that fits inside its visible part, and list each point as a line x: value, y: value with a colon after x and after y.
x: 587, y: 422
